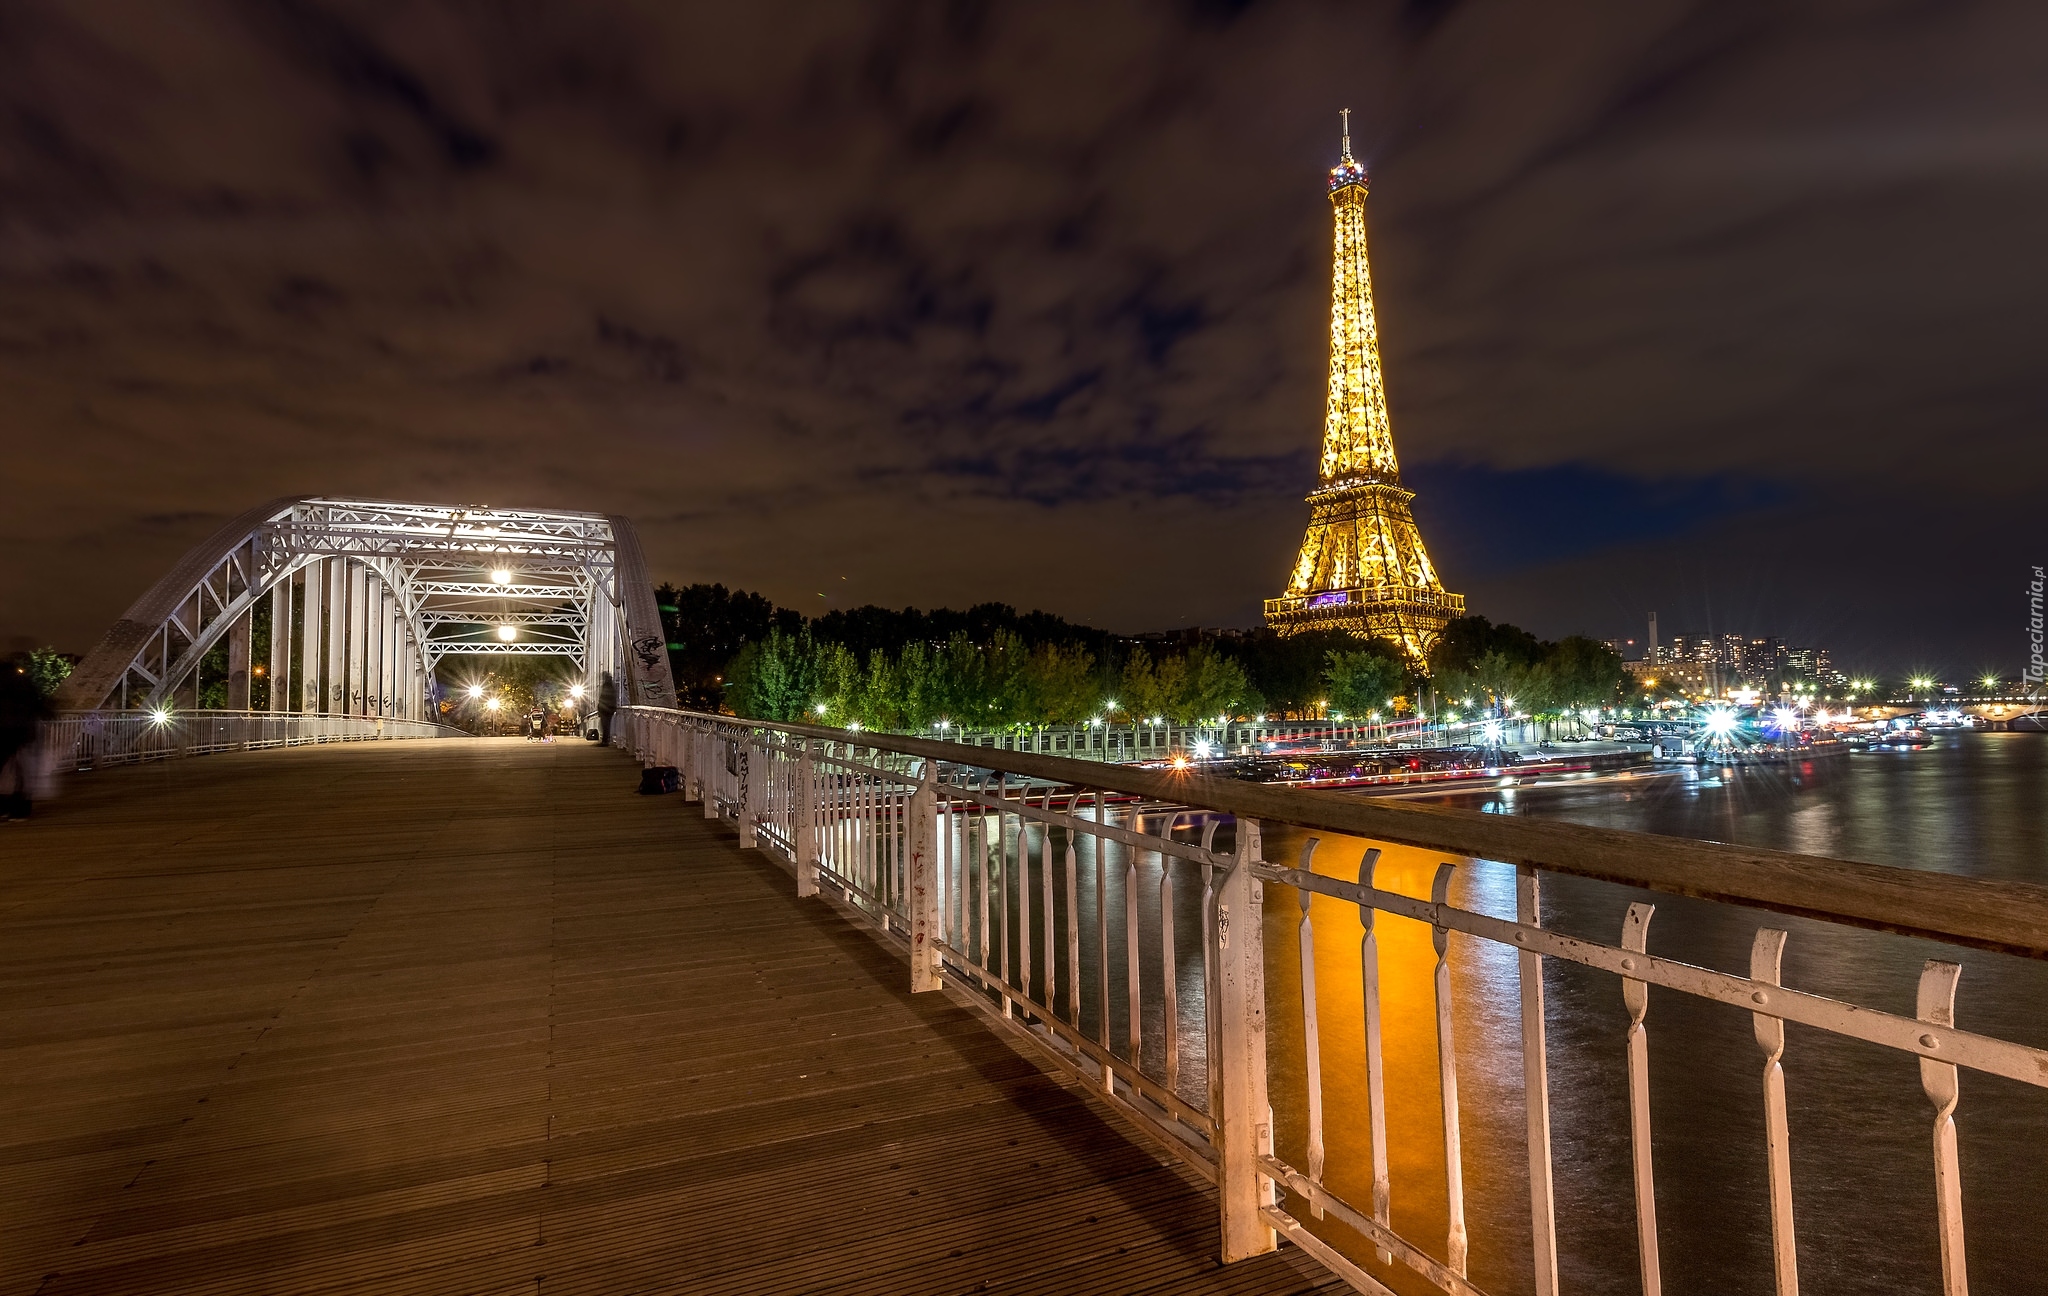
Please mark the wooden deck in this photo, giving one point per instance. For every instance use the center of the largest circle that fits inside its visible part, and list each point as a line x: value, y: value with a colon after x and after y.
x: 469, y: 1016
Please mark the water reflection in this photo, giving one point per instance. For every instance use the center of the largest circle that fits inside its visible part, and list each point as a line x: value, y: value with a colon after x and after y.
x: 1860, y: 1125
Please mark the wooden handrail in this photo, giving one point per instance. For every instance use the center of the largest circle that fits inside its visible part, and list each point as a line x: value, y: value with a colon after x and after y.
x: 2008, y: 917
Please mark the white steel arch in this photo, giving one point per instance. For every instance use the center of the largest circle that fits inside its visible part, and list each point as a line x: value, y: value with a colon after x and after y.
x: 371, y: 594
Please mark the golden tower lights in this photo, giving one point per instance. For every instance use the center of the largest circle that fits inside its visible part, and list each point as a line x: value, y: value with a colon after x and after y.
x: 1362, y: 566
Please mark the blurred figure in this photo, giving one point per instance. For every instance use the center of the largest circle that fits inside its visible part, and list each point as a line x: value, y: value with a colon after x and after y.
x: 607, y: 702
x: 22, y: 707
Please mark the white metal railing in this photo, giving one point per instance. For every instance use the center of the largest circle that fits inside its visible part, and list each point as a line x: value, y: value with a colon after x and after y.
x: 1146, y: 741
x: 84, y: 740
x: 1116, y: 916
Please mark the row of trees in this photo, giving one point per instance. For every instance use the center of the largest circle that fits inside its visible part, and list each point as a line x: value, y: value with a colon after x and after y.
x: 991, y: 667
x: 993, y: 684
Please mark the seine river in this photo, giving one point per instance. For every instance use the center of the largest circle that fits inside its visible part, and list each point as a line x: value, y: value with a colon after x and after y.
x: 1863, y: 1185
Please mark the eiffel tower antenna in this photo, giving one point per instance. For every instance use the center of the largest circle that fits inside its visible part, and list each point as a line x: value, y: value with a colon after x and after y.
x: 1363, y: 566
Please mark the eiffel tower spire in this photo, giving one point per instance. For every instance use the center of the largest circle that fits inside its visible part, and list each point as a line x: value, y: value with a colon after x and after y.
x: 1363, y: 566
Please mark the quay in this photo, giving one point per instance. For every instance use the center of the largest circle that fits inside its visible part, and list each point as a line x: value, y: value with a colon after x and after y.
x: 470, y: 1016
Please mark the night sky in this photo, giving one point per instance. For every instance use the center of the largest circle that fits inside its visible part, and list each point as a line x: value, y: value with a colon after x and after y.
x: 1729, y: 310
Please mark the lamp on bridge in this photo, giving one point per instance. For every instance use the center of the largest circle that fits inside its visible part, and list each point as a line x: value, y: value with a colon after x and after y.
x: 507, y: 633
x: 501, y: 577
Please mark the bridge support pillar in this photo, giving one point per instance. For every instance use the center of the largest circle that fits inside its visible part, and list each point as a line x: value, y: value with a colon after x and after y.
x: 373, y: 644
x: 238, y: 662
x: 357, y: 597
x: 1244, y: 1117
x: 334, y: 635
x: 310, y: 600
x: 281, y: 646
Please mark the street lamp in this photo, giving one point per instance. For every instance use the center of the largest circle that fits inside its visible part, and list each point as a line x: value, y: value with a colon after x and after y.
x: 476, y: 691
x: 507, y: 633
x: 501, y: 577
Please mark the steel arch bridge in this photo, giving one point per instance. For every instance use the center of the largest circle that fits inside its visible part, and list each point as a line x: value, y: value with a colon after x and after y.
x: 371, y: 595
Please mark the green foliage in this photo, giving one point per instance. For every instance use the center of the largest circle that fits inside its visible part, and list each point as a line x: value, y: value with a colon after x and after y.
x: 707, y: 626
x: 1363, y: 681
x: 1287, y: 671
x: 46, y: 668
x: 1579, y: 672
x: 993, y: 667
x: 1468, y: 641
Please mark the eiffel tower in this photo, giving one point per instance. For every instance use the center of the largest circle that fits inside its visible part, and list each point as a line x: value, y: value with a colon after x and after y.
x: 1362, y: 566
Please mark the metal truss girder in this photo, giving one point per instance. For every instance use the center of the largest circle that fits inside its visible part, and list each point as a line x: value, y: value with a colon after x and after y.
x: 578, y: 575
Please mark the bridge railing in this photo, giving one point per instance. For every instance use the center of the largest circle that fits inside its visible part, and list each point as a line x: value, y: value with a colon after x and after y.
x: 1116, y: 916
x: 83, y: 740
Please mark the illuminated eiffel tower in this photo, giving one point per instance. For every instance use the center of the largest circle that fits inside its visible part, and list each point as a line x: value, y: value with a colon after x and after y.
x: 1362, y: 567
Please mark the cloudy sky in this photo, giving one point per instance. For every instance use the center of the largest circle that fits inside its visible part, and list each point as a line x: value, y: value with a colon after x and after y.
x: 1731, y: 310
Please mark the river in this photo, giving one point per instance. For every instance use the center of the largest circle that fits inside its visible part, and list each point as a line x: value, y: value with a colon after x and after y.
x: 1863, y: 1184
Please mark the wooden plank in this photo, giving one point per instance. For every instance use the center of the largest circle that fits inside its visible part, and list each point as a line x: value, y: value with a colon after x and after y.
x: 471, y: 1017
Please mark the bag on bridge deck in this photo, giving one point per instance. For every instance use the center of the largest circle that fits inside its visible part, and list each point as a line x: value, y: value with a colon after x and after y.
x: 658, y: 779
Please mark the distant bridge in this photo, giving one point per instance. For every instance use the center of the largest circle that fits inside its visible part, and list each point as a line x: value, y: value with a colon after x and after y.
x: 365, y: 597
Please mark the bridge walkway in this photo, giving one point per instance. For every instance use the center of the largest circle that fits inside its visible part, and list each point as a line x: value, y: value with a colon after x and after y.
x: 469, y: 1016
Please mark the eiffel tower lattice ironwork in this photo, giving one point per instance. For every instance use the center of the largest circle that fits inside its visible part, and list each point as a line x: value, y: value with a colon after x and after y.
x: 1362, y: 567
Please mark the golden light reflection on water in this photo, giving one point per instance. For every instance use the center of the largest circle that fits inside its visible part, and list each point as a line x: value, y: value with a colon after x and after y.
x: 1487, y: 1049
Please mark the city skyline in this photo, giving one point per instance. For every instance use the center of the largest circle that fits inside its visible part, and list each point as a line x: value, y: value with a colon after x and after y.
x: 1725, y: 315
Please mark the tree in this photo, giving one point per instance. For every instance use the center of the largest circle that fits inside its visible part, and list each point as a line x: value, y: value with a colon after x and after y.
x: 1361, y: 682
x: 707, y: 627
x: 780, y: 677
x: 46, y: 668
x: 1286, y: 671
x: 1466, y: 641
x: 1215, y: 686
x: 1061, y: 686
x: 1578, y: 673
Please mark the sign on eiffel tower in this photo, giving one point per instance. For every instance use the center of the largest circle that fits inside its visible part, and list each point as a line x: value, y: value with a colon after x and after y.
x: 1362, y: 567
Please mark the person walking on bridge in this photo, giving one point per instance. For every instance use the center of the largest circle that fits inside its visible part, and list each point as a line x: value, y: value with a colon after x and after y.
x: 22, y: 707
x: 607, y: 702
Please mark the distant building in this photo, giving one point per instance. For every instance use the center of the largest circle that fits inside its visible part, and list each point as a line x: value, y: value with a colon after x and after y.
x: 1688, y: 677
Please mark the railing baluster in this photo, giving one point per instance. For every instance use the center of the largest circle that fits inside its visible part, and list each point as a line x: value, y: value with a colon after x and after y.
x: 1073, y: 924
x: 1311, y: 1035
x: 1169, y: 998
x: 1023, y: 896
x: 1133, y: 983
x: 981, y: 862
x: 999, y: 861
x: 1536, y: 1089
x: 1635, y: 934
x: 1766, y: 957
x: 1375, y: 1071
x: 1102, y: 945
x: 1209, y: 1004
x: 1048, y: 990
x: 1447, y: 1077
x: 1937, y: 1005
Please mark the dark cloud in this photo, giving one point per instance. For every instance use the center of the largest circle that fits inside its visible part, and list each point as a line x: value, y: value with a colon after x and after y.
x: 1725, y: 309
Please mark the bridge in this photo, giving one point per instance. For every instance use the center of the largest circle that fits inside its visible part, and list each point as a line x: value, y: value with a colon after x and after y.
x: 864, y: 1012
